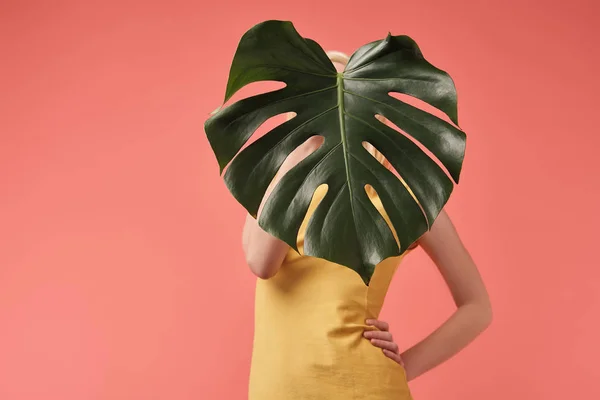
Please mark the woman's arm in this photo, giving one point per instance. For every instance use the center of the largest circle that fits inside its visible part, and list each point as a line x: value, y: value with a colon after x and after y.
x: 474, y: 311
x: 264, y: 252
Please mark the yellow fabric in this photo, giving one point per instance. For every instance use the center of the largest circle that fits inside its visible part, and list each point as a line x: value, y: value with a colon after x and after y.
x: 309, y: 321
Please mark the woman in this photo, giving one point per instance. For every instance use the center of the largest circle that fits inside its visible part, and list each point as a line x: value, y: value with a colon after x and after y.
x: 317, y: 335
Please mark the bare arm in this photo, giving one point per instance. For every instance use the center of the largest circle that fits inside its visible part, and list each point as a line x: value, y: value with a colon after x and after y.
x: 264, y: 252
x: 474, y: 312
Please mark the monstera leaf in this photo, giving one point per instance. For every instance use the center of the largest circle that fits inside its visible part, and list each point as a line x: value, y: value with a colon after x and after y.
x: 345, y: 228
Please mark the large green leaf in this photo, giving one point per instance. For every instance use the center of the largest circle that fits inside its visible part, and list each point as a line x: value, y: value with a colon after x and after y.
x: 345, y: 228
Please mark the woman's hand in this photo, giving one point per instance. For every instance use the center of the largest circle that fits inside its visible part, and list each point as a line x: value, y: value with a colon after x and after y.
x: 383, y: 339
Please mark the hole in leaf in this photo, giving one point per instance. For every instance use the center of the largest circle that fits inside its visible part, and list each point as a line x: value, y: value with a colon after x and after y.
x: 301, y: 152
x: 255, y: 88
x: 317, y: 198
x: 420, y: 104
x: 374, y: 198
x: 262, y: 130
x: 296, y: 156
x: 385, y: 162
x: 415, y: 141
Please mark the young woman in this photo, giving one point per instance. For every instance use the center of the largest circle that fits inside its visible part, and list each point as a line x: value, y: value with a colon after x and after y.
x: 317, y: 333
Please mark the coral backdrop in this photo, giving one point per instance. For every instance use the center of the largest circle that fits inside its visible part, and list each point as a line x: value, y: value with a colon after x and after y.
x: 121, y: 269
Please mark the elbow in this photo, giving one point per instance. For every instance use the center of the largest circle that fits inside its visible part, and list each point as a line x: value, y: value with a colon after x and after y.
x: 480, y: 313
x: 485, y: 314
x: 264, y: 274
x: 261, y: 269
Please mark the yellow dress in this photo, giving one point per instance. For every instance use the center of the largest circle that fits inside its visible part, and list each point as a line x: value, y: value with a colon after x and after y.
x: 308, y: 333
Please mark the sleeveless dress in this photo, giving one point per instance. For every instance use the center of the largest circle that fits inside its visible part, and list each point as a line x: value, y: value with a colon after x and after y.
x: 308, y: 330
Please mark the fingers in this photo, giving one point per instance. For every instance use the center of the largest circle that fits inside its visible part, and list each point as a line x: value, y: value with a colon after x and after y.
x: 383, y: 335
x: 394, y: 356
x: 386, y: 345
x: 383, y: 339
x: 379, y: 324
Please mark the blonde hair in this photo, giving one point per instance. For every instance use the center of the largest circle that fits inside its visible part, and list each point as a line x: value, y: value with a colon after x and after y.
x: 341, y: 58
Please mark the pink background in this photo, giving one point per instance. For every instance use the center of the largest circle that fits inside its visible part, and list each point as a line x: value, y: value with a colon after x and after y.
x: 121, y: 269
